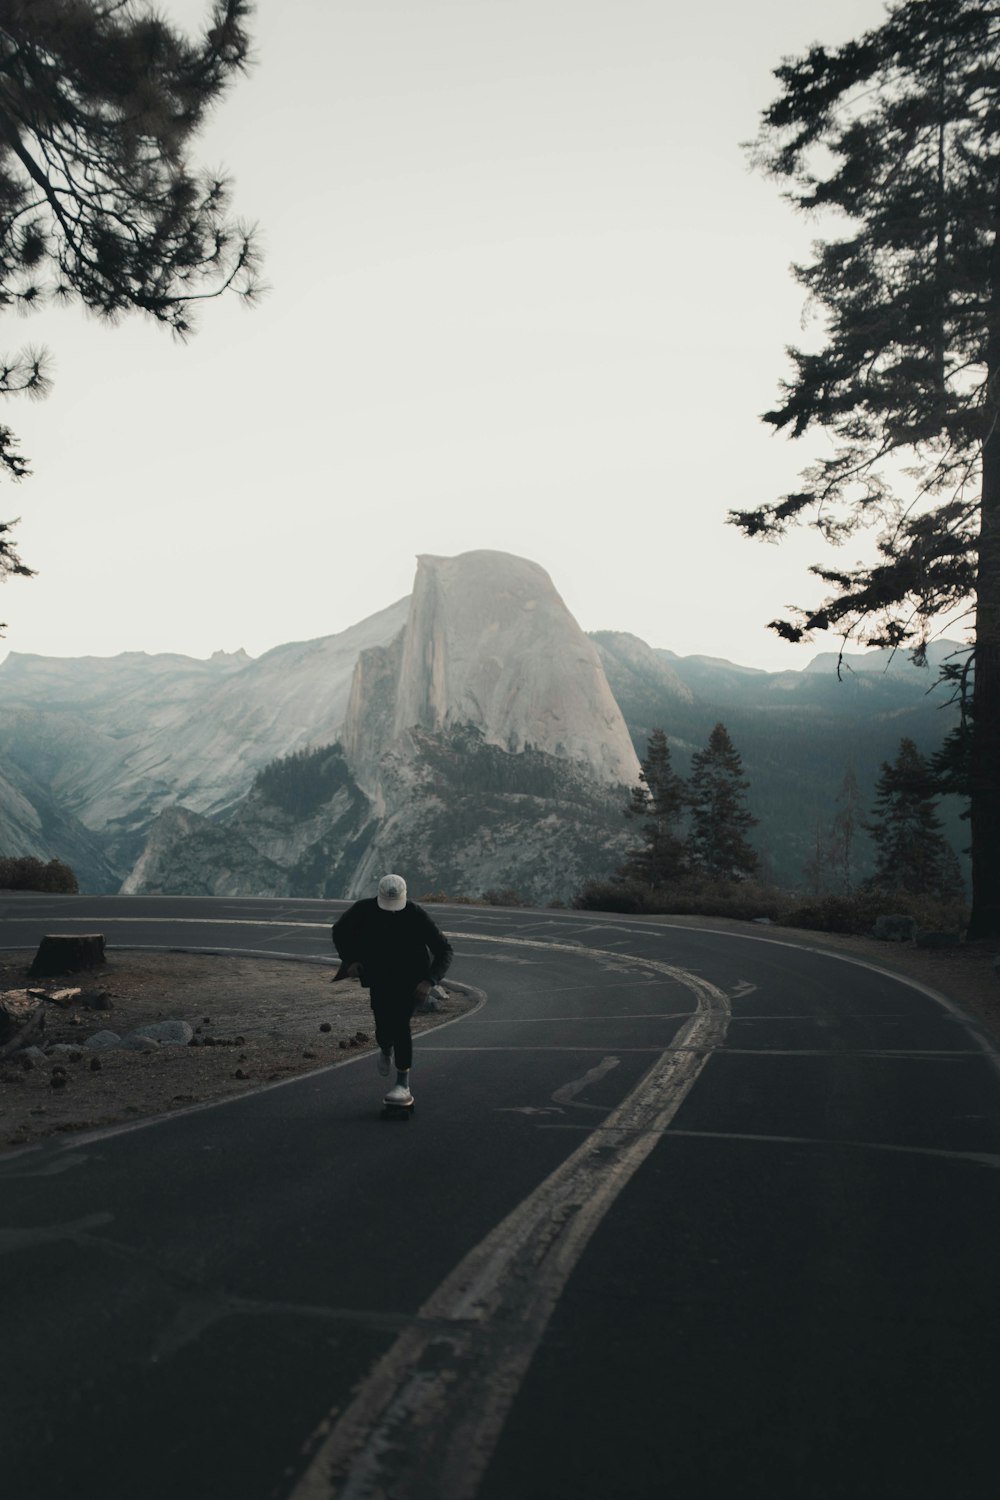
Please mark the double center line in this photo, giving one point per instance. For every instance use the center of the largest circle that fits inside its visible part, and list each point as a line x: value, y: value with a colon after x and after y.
x: 425, y: 1421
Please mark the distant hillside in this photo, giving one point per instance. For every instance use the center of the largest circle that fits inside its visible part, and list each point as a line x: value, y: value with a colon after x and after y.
x: 797, y: 732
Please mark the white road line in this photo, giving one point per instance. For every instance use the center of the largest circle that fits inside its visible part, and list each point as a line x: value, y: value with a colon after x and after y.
x: 187, y: 921
x: 642, y: 1015
x: 567, y: 1047
x: 980, y: 1158
x: 438, y: 1398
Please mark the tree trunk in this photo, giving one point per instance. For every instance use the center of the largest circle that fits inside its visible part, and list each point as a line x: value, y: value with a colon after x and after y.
x: 985, y: 757
x: 59, y: 954
x: 985, y: 768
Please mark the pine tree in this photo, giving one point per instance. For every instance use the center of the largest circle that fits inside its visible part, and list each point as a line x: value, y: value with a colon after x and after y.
x: 912, y: 854
x: 899, y: 133
x: 657, y: 805
x: 99, y: 101
x: 720, y: 818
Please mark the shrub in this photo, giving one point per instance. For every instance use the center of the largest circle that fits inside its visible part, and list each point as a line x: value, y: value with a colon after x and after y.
x: 505, y: 897
x: 858, y: 912
x: 24, y: 873
x: 611, y: 895
x: 746, y: 901
x: 743, y: 900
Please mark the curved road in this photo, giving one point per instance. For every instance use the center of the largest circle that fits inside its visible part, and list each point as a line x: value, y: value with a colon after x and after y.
x: 682, y: 1213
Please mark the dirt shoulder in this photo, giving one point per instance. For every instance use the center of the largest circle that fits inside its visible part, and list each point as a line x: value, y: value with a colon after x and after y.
x: 254, y: 1021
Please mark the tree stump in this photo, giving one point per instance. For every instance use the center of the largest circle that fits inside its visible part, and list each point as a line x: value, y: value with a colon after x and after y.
x: 60, y: 953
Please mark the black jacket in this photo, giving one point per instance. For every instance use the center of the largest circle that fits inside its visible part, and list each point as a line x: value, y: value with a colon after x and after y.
x: 396, y: 949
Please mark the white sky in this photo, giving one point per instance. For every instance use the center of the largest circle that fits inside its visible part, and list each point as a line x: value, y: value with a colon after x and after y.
x: 526, y: 295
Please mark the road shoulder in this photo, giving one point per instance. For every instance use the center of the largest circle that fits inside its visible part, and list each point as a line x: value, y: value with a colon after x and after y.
x: 254, y: 1022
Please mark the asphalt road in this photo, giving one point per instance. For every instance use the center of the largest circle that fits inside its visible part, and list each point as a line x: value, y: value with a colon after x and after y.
x: 680, y: 1214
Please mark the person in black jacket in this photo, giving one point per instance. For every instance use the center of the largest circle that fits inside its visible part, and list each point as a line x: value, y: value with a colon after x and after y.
x: 398, y: 952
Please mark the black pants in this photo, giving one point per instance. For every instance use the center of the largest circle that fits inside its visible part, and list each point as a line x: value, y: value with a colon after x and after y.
x: 393, y: 1010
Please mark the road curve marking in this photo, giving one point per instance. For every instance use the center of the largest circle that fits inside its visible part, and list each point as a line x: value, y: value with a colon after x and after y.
x: 567, y: 1094
x: 440, y: 1394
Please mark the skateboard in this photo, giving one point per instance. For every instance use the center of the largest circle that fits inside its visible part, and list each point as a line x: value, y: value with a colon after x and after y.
x: 396, y: 1111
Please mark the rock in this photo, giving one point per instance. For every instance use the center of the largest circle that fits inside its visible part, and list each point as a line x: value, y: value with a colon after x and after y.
x: 103, y: 1041
x: 134, y: 1041
x: 895, y: 929
x: 489, y: 641
x: 435, y: 999
x: 63, y: 1049
x: 171, y: 1033
x: 32, y: 1055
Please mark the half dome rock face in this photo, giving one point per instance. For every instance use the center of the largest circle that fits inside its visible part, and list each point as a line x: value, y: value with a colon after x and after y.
x: 489, y: 642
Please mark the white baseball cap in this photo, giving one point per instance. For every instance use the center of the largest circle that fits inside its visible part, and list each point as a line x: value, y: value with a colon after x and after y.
x: 392, y: 893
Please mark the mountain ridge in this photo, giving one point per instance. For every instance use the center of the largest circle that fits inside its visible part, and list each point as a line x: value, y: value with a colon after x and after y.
x: 479, y: 684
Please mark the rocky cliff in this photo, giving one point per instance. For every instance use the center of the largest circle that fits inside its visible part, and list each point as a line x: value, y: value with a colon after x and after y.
x: 489, y: 642
x: 481, y: 747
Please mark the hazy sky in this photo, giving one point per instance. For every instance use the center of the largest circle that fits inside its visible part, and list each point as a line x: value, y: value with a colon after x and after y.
x: 526, y: 295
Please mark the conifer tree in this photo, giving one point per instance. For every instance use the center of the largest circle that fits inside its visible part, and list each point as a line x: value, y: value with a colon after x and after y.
x: 657, y: 805
x: 911, y: 853
x: 898, y: 133
x: 720, y: 818
x: 99, y: 102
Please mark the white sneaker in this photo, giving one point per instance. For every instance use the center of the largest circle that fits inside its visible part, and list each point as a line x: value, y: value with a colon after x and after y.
x: 384, y: 1063
x: 399, y: 1094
